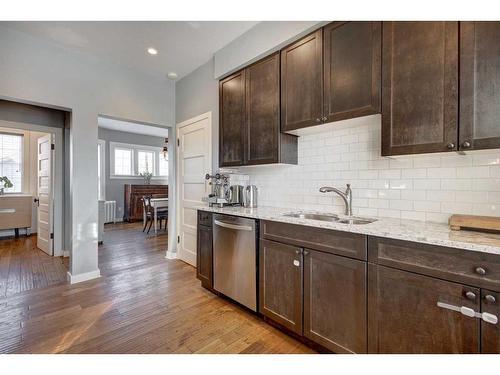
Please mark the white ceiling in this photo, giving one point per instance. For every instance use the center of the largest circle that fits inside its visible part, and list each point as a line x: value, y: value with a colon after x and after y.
x: 182, y: 46
x: 132, y: 127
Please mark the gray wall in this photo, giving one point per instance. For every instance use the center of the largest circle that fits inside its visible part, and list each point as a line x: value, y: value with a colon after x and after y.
x: 115, y: 187
x: 195, y: 94
x: 39, y: 72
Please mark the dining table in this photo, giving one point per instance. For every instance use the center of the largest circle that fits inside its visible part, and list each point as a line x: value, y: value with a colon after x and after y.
x: 156, y: 203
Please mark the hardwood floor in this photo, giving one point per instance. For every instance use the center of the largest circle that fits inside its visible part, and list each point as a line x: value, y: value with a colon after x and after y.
x: 143, y: 303
x: 24, y: 267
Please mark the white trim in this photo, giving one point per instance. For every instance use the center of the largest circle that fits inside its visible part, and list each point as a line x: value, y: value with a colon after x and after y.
x: 171, y: 255
x: 208, y: 116
x: 73, y: 279
x: 66, y: 253
x: 102, y: 166
x: 121, y: 177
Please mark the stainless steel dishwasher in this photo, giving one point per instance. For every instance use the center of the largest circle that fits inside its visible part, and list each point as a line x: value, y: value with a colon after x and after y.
x: 235, y: 270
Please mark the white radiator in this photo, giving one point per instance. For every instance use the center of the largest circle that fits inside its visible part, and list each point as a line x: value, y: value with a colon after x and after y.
x: 110, y: 212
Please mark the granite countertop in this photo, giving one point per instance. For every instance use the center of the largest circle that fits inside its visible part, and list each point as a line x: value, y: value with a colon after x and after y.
x: 408, y: 230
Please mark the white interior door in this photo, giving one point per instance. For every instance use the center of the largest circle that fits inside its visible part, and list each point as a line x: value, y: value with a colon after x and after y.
x: 44, y: 181
x: 193, y: 162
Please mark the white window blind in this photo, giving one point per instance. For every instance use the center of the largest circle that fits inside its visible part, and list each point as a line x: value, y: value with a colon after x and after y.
x: 11, y: 161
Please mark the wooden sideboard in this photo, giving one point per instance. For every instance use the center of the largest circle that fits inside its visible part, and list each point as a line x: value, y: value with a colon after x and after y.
x: 15, y: 211
x: 132, y: 199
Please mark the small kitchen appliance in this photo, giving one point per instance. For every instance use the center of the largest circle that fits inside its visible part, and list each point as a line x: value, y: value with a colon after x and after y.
x: 250, y: 196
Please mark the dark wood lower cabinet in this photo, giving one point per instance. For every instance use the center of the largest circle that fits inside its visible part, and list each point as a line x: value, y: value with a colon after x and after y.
x: 280, y: 284
x: 204, y: 251
x: 403, y: 315
x: 335, y: 301
x: 490, y: 333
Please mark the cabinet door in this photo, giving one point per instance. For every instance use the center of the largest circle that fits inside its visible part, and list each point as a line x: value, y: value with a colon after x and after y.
x: 352, y: 70
x: 419, y: 87
x: 204, y: 256
x: 302, y: 83
x: 335, y: 301
x: 262, y: 105
x: 280, y: 284
x: 232, y: 120
x: 490, y: 333
x: 479, y: 85
x: 403, y: 316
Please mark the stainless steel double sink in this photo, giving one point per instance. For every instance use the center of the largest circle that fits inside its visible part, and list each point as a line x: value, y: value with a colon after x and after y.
x: 352, y: 220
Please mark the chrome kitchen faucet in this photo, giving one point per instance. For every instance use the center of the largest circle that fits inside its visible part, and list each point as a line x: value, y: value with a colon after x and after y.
x: 347, y: 196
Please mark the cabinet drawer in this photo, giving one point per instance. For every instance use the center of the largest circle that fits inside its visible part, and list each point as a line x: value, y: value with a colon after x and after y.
x: 352, y: 245
x: 447, y: 263
x: 205, y: 218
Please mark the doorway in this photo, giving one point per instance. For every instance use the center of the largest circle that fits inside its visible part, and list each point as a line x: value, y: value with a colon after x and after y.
x: 133, y: 180
x: 194, y: 160
x: 31, y: 207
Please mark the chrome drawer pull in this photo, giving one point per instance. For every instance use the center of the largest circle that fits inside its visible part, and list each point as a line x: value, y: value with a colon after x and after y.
x: 467, y: 311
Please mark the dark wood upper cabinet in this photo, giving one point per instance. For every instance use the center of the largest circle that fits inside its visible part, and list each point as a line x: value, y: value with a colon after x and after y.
x: 335, y: 301
x: 265, y: 144
x: 352, y: 70
x: 302, y: 83
x: 419, y: 87
x: 250, y: 117
x: 479, y: 85
x: 232, y: 120
x: 490, y: 333
x: 403, y: 315
x: 280, y: 284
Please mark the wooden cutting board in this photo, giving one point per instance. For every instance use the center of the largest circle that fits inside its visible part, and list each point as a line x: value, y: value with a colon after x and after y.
x: 488, y: 223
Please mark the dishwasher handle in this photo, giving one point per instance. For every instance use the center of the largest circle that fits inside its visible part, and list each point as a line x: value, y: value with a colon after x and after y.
x: 232, y: 226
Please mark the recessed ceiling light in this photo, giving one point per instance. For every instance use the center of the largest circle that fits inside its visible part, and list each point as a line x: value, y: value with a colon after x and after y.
x: 152, y: 51
x: 172, y: 75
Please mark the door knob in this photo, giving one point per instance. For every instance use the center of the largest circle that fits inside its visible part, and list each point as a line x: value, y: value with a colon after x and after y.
x: 37, y: 201
x: 450, y: 146
x: 466, y: 144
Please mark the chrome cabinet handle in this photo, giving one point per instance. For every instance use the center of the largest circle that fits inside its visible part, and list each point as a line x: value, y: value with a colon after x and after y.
x: 296, y: 263
x: 466, y: 144
x: 306, y: 252
x: 318, y: 120
x: 232, y: 226
x: 490, y: 299
x: 480, y: 271
x: 324, y: 118
x: 470, y: 295
x: 450, y: 146
x: 467, y: 311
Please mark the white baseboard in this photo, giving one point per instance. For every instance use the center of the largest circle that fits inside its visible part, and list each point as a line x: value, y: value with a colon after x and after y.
x: 73, y: 279
x: 118, y: 219
x: 171, y: 255
x: 66, y: 253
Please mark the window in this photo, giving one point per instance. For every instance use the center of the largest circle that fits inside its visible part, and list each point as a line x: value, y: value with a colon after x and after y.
x: 129, y: 161
x: 145, y: 162
x: 101, y: 175
x: 11, y: 160
x: 123, y: 162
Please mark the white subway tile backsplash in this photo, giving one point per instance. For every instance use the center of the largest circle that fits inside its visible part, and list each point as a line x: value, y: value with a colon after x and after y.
x: 419, y: 187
